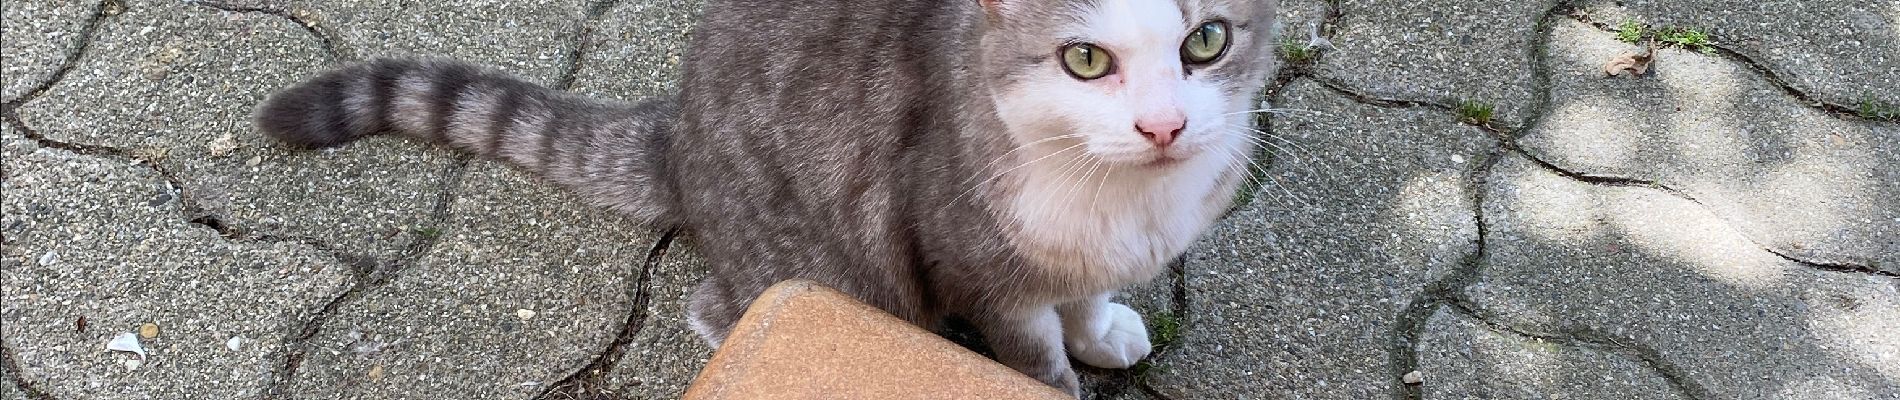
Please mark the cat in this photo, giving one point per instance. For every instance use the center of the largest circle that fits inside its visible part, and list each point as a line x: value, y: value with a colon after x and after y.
x: 1009, y: 162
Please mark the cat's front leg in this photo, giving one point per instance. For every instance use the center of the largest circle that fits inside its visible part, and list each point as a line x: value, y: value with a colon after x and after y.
x: 1103, y: 334
x: 1030, y: 340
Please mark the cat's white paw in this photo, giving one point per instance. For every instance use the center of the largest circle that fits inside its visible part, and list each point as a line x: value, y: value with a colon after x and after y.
x: 1118, y: 343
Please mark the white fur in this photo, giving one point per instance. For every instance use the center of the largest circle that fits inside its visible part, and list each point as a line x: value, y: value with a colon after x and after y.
x: 1106, y: 205
x: 704, y: 331
x: 1104, y: 334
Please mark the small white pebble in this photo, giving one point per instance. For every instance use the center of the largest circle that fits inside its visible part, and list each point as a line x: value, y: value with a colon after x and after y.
x: 1457, y: 159
x: 524, y: 314
x: 234, y: 343
x: 49, y: 258
x: 1413, y: 378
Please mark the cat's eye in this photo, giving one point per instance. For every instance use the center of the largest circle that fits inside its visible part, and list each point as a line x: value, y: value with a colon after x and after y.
x: 1085, y: 61
x: 1206, y: 43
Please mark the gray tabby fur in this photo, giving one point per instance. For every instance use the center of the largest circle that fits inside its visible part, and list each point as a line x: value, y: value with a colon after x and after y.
x: 855, y: 143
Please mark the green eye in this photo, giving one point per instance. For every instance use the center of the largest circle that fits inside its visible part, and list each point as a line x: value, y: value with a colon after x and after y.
x: 1206, y: 43
x: 1085, y: 61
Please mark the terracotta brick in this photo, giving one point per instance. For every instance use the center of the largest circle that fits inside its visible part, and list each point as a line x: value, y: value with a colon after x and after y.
x: 801, y: 340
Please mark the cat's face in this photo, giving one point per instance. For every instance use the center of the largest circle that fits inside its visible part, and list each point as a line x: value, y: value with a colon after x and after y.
x: 1135, y: 83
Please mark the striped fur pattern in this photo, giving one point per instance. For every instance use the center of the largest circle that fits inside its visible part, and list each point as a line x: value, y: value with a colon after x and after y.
x: 606, y: 151
x: 931, y: 158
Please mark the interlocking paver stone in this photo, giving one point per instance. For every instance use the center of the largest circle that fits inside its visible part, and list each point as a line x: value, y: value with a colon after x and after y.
x: 665, y: 355
x: 176, y: 83
x: 39, y: 35
x: 103, y: 240
x: 1802, y: 181
x: 1441, y: 52
x: 1462, y: 358
x: 1297, y: 294
x: 454, y: 326
x: 1641, y: 267
x: 636, y: 49
x: 1844, y: 51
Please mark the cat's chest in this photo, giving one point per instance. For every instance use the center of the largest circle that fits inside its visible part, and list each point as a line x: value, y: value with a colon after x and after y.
x: 1113, y: 232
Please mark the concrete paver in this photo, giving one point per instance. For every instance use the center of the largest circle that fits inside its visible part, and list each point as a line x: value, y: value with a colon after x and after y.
x: 175, y: 83
x: 636, y: 49
x: 526, y: 285
x: 665, y: 355
x: 1462, y: 358
x: 96, y: 247
x: 1803, y: 182
x: 1439, y: 52
x: 1666, y: 277
x: 40, y: 34
x: 1843, y: 51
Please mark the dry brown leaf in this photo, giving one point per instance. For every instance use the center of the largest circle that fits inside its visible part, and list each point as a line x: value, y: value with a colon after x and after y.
x: 1636, y: 63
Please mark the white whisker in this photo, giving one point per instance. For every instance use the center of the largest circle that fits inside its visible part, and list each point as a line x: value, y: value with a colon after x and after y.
x: 1275, y: 111
x: 998, y: 175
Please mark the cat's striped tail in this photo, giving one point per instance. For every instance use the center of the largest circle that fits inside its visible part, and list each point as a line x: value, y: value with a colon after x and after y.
x: 610, y: 153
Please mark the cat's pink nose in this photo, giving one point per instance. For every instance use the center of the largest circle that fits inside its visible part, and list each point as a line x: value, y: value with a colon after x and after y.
x: 1162, y: 130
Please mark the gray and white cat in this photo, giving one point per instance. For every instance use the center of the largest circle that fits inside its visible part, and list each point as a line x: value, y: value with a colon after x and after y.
x: 1009, y: 162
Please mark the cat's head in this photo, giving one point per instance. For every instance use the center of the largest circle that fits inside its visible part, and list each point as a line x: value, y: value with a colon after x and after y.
x: 1137, y: 83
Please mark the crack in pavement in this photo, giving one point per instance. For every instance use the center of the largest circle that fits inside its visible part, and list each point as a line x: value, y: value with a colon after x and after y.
x: 331, y: 47
x: 106, y: 8
x: 1509, y: 136
x: 1590, y: 338
x: 362, y: 268
x: 1447, y: 291
x: 588, y: 382
x: 1183, y: 321
x: 1540, y: 73
x: 1768, y: 74
x: 574, y: 60
x: 1617, y: 181
x: 191, y: 212
x: 1410, y: 326
x: 1494, y: 128
x: 11, y: 365
x: 368, y: 274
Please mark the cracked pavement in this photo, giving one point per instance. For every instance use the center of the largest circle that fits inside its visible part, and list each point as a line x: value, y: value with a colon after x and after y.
x: 1724, y: 227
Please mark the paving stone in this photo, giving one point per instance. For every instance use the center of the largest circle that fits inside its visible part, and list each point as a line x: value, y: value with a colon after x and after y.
x: 1844, y: 51
x: 452, y: 325
x: 1801, y: 181
x: 1462, y: 358
x: 665, y: 355
x: 1665, y: 275
x: 1297, y: 294
x: 96, y: 247
x: 8, y: 390
x: 175, y: 83
x: 636, y: 49
x: 40, y: 34
x: 1439, y: 51
x: 530, y: 38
